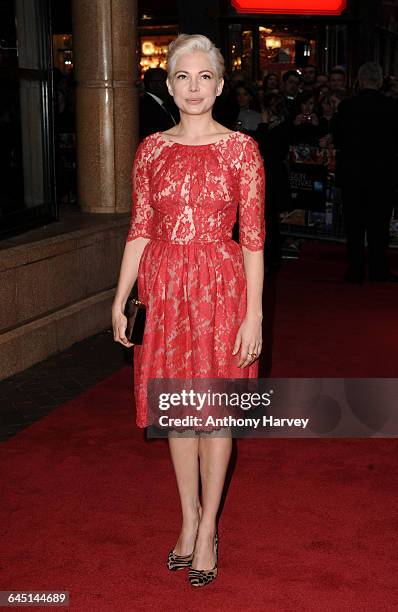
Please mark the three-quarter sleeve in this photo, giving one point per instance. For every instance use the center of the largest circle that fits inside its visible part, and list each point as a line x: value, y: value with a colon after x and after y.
x: 142, y: 211
x: 251, y: 198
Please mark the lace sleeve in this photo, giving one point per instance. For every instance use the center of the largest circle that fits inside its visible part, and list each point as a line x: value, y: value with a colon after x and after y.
x: 142, y: 211
x: 251, y: 198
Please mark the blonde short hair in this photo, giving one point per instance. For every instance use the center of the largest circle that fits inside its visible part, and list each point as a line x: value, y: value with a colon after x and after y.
x: 189, y: 43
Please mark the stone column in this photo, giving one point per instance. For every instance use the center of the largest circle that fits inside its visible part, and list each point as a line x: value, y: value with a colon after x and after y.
x: 105, y: 63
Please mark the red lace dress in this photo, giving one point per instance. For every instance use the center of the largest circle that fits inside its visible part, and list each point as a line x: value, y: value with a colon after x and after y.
x: 191, y: 274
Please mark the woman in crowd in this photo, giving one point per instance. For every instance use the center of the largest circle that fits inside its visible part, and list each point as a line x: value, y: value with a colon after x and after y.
x: 305, y: 123
x: 248, y: 118
x: 271, y: 83
x: 326, y: 114
x: 328, y: 106
x: 336, y: 96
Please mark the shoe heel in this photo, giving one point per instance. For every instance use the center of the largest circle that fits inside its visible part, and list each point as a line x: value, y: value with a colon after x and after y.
x: 199, y: 578
x: 178, y: 562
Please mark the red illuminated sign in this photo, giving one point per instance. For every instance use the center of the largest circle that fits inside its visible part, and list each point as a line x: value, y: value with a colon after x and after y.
x: 286, y: 7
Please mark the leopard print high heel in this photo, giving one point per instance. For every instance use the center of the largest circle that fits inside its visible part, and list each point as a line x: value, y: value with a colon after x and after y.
x: 178, y: 562
x: 199, y: 578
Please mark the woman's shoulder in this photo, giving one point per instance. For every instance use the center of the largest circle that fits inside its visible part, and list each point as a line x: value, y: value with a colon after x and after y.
x: 246, y: 148
x: 149, y: 141
x: 147, y: 147
x: 248, y: 141
x: 243, y: 137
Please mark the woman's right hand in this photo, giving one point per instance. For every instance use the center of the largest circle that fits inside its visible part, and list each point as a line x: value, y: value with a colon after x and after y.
x: 119, y: 324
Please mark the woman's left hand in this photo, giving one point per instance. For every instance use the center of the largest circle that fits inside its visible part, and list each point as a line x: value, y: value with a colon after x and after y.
x: 249, y: 340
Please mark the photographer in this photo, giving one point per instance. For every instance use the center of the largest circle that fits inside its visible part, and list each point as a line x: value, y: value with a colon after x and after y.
x: 305, y: 123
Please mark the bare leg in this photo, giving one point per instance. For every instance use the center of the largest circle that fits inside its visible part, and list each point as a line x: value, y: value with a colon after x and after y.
x: 185, y: 458
x: 214, y: 453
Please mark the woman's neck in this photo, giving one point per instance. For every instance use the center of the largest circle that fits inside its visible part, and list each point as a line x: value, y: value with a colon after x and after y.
x: 195, y: 127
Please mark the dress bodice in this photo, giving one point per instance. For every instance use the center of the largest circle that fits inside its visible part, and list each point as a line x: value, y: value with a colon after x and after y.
x: 191, y: 193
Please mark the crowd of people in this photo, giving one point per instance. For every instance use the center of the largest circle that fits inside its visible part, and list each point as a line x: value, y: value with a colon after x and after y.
x: 305, y: 107
x: 305, y: 99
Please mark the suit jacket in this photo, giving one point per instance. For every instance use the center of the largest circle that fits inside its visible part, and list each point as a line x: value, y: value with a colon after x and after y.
x: 365, y: 132
x: 153, y: 118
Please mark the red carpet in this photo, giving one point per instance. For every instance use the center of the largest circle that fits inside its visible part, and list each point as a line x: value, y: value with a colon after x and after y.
x: 324, y: 327
x: 90, y: 507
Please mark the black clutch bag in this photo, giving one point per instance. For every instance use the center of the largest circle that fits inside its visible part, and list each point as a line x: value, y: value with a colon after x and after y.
x: 135, y: 312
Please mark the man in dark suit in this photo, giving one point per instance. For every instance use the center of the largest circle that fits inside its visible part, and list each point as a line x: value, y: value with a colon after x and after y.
x: 157, y: 111
x: 366, y: 135
x: 290, y: 89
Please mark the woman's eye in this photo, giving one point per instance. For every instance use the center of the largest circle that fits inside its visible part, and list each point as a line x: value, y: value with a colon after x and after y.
x: 208, y: 76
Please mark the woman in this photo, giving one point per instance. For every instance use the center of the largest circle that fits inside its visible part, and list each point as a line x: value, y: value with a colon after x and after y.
x: 271, y: 83
x: 326, y: 118
x: 337, y: 96
x: 270, y: 86
x: 248, y: 118
x: 305, y: 128
x: 328, y: 107
x: 203, y: 291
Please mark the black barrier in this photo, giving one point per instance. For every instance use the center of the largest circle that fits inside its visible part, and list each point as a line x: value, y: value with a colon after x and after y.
x: 308, y: 177
x: 316, y: 209
x: 315, y: 200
